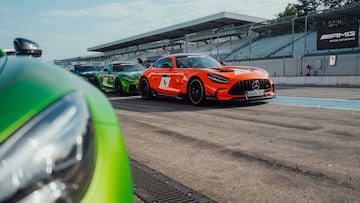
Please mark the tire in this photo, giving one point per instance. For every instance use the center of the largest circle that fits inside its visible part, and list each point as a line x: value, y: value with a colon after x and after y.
x: 145, y: 89
x: 196, y: 92
x: 118, y: 87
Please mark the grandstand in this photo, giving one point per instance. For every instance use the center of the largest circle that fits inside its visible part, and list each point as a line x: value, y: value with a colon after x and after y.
x: 284, y: 47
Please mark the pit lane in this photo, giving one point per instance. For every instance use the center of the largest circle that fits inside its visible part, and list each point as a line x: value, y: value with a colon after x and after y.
x: 261, y: 151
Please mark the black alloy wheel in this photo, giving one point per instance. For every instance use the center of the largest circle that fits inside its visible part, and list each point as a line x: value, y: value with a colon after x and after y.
x: 196, y: 92
x: 145, y: 89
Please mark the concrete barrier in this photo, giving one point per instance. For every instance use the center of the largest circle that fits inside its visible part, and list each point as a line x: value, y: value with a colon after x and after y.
x: 338, y: 81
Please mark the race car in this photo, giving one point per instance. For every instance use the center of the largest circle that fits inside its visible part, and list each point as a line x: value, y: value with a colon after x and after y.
x: 86, y: 71
x: 60, y: 140
x: 200, y: 77
x: 120, y: 77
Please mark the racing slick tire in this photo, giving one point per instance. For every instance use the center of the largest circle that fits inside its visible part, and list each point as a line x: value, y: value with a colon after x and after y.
x: 196, y: 92
x: 145, y: 89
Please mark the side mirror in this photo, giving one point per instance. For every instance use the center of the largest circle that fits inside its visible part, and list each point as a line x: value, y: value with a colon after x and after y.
x: 105, y: 70
x: 26, y: 47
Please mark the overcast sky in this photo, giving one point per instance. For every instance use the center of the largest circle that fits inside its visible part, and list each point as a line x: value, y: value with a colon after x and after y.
x: 66, y: 28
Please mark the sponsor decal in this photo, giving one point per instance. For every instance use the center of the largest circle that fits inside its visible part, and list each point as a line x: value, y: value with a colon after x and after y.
x: 338, y: 37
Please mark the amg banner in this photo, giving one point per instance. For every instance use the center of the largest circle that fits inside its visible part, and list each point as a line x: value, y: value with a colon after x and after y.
x: 339, y: 37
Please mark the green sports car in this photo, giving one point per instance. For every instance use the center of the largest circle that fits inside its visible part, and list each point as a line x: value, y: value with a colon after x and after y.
x: 120, y: 77
x: 60, y: 140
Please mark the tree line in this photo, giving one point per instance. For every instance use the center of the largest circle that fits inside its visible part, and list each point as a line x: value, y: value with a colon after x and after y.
x: 304, y: 7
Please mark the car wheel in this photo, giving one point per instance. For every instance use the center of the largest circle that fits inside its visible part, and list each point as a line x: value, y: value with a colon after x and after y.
x: 118, y: 88
x: 145, y: 89
x: 196, y: 92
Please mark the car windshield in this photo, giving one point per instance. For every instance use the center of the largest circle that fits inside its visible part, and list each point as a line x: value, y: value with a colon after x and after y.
x: 196, y: 62
x: 87, y: 68
x: 128, y: 67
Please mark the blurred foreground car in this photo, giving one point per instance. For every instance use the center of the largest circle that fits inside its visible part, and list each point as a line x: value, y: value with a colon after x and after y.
x: 58, y: 143
x: 199, y: 77
x: 120, y: 77
x: 87, y: 72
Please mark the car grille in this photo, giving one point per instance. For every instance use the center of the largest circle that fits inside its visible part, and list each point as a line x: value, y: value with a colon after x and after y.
x: 246, y: 85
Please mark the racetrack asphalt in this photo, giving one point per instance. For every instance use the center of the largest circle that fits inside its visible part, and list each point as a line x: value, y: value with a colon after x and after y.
x: 272, y: 151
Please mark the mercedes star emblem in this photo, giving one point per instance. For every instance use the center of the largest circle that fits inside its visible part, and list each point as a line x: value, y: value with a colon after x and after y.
x: 255, y: 85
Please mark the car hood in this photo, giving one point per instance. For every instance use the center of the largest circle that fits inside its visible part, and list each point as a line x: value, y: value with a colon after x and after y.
x: 87, y: 73
x: 133, y: 74
x: 27, y: 86
x: 238, y: 71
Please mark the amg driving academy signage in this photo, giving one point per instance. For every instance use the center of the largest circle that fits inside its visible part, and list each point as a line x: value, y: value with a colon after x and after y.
x: 339, y: 37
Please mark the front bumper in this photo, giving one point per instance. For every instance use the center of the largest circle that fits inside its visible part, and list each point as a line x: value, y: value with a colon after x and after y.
x: 226, y: 93
x: 224, y: 96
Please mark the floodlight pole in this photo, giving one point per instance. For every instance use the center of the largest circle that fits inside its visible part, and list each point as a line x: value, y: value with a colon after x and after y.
x: 292, y: 35
x: 306, y: 33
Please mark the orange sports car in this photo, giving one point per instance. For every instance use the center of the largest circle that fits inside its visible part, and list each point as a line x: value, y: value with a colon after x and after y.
x: 199, y: 77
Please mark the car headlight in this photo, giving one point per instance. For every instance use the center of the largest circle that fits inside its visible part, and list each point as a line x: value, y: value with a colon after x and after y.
x: 51, y: 157
x: 129, y: 79
x: 218, y: 78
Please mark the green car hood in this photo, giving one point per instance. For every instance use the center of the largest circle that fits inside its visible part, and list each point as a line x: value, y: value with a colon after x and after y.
x: 133, y: 74
x: 23, y: 93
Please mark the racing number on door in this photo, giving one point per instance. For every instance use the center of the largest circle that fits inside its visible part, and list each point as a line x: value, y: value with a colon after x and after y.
x: 165, y: 81
x: 104, y: 80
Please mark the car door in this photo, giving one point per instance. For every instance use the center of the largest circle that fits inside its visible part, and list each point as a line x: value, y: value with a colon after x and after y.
x: 162, y: 78
x: 106, y: 77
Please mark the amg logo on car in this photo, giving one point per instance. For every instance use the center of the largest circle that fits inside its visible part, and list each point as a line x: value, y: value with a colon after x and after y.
x: 338, y: 35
